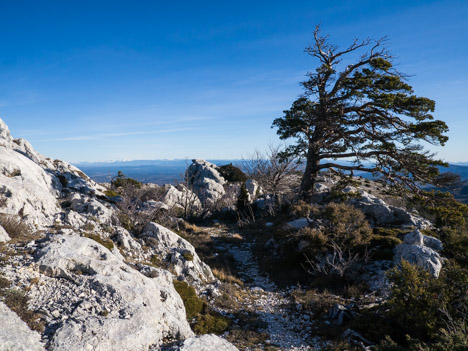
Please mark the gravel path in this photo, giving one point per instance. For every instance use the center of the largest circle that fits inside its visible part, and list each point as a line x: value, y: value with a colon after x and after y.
x: 287, y: 326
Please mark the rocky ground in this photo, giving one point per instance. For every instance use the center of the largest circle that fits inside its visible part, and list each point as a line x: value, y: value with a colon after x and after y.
x: 83, y: 267
x: 286, y: 325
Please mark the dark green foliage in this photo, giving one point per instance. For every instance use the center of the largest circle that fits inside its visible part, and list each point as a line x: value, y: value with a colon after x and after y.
x: 443, y: 209
x: 365, y: 112
x: 424, y: 306
x: 193, y: 304
x: 450, y: 217
x: 201, y: 318
x: 344, y: 224
x: 212, y: 322
x: 188, y: 256
x: 111, y: 193
x: 232, y: 173
x: 122, y: 181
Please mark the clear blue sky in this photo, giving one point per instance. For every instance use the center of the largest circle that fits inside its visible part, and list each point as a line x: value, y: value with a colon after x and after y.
x: 103, y: 80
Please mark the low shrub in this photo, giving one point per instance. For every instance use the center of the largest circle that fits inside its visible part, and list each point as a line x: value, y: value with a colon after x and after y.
x: 202, y: 319
x: 111, y: 193
x: 15, y: 227
x: 232, y: 173
x: 193, y: 304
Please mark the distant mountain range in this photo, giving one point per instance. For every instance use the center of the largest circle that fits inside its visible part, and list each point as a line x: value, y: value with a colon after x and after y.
x: 171, y: 171
x: 146, y: 171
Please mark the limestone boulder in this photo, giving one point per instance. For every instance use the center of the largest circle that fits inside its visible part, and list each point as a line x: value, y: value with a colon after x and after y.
x: 182, y: 197
x: 97, y: 302
x: 422, y: 251
x: 27, y: 190
x: 384, y: 214
x: 205, y: 181
x: 180, y: 253
x: 253, y: 188
x: 15, y: 335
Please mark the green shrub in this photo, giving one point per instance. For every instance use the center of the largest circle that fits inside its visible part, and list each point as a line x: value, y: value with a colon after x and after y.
x: 201, y: 318
x: 443, y: 209
x: 122, y: 181
x: 193, y: 304
x: 155, y: 260
x: 232, y: 173
x: 188, y: 256
x: 423, y: 305
x: 111, y: 193
x: 212, y: 322
x: 344, y: 224
x: 301, y: 209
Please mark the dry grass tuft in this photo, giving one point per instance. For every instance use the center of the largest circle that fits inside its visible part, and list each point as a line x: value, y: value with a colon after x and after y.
x: 16, y: 228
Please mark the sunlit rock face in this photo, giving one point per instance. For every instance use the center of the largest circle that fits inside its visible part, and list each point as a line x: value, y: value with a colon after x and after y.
x: 204, y: 180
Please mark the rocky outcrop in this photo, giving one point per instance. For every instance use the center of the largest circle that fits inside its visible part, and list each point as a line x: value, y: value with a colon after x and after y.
x: 96, y: 286
x: 252, y: 188
x: 420, y: 250
x: 98, y: 302
x: 15, y: 335
x: 180, y: 253
x: 27, y: 189
x: 204, y: 179
x: 383, y: 214
x: 208, y: 342
x: 181, y: 197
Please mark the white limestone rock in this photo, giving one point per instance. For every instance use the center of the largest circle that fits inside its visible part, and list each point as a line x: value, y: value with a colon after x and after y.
x: 5, y: 136
x: 90, y: 207
x: 105, y: 304
x: 15, y: 335
x: 320, y: 188
x: 207, y: 342
x: 299, y: 223
x: 182, y: 197
x: 252, y: 188
x: 29, y: 191
x: 184, y: 259
x: 3, y: 235
x: 384, y: 214
x: 204, y: 179
x: 420, y: 250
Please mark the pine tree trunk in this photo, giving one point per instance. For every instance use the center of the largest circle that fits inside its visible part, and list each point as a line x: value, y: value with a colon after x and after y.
x: 310, y: 175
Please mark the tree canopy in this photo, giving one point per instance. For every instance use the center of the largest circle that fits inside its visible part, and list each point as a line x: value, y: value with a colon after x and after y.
x: 364, y: 112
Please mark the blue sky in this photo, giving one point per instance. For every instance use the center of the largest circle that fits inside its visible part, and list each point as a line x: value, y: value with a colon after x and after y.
x: 105, y: 80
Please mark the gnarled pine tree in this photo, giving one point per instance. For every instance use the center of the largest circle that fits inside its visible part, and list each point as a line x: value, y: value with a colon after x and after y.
x: 366, y: 113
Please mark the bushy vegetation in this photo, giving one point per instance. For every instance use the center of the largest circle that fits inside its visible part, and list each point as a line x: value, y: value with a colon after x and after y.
x: 202, y: 319
x: 232, y: 173
x: 15, y: 227
x: 122, y: 180
x: 423, y: 312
